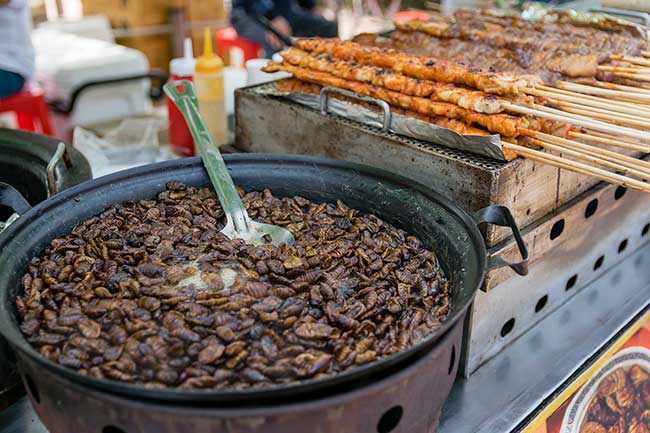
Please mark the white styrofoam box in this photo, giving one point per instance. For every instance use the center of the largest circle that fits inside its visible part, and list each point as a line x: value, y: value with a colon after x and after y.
x: 90, y: 26
x: 66, y: 61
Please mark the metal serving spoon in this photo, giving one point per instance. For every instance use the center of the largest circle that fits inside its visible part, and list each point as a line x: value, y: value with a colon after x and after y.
x: 238, y: 223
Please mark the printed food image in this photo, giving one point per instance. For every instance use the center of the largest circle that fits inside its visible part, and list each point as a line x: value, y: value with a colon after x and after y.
x: 621, y: 403
x: 151, y: 293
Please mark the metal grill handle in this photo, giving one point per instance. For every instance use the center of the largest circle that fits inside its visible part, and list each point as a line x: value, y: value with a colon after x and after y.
x: 501, y: 216
x: 324, y: 103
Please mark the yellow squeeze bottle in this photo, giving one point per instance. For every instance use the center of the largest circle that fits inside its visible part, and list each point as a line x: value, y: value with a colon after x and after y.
x: 208, y: 79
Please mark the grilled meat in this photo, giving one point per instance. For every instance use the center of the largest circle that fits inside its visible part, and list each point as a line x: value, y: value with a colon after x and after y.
x: 424, y: 68
x: 498, y: 123
x: 443, y: 92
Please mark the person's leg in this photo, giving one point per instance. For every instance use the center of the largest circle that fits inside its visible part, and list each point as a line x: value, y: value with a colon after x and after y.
x: 305, y: 24
x: 10, y: 83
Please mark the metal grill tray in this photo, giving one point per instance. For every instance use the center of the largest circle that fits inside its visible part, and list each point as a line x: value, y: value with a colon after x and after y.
x: 531, y: 190
x: 387, y: 120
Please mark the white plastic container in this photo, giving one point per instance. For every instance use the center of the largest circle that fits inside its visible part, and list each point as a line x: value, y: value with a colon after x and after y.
x: 66, y: 61
x: 234, y: 77
x: 90, y: 26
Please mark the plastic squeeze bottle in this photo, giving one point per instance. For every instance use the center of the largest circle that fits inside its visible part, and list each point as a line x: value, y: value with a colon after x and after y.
x: 181, y: 68
x: 208, y: 79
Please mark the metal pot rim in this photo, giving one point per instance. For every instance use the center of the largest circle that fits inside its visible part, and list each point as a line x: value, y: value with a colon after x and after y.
x: 10, y: 330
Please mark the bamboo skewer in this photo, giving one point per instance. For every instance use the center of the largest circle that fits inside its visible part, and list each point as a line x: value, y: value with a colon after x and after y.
x: 645, y: 53
x: 589, y: 122
x: 608, y: 140
x: 627, y: 161
x: 592, y: 83
x: 634, y: 60
x: 575, y: 119
x: 606, y: 89
x: 594, y: 159
x: 605, y: 97
x: 607, y: 116
x: 630, y: 161
x: 643, y: 144
x: 576, y: 167
x: 637, y: 77
x: 630, y: 69
x: 645, y: 121
x: 591, y: 101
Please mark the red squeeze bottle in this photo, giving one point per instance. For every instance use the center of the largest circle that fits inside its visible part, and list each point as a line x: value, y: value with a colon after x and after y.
x: 180, y: 137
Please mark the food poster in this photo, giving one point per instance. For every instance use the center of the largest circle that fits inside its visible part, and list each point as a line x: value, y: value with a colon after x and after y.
x: 611, y: 396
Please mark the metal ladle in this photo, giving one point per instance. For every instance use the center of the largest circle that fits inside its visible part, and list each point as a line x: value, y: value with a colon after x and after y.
x: 238, y: 223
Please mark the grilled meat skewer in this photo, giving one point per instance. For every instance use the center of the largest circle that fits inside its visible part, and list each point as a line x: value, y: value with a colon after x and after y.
x: 498, y: 123
x: 424, y: 68
x: 467, y: 98
x: 552, y: 56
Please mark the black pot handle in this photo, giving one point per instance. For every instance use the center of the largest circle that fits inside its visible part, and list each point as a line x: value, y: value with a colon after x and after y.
x: 501, y: 216
x: 61, y: 153
x: 14, y: 200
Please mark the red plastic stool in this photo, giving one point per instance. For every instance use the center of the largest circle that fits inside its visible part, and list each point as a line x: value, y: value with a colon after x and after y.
x: 226, y: 39
x: 32, y: 113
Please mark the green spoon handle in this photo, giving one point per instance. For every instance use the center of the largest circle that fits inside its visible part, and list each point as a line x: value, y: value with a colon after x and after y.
x: 183, y: 95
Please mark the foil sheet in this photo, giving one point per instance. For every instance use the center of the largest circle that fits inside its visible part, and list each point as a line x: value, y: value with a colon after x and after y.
x: 385, y: 120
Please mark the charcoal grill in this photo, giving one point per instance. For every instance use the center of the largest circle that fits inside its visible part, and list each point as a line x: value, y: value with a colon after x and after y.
x: 271, y: 124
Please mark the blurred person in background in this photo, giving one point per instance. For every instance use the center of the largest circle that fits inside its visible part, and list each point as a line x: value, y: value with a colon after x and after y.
x: 289, y: 17
x: 16, y: 51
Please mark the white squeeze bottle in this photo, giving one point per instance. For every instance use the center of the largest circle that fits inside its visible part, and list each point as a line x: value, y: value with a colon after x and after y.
x: 208, y: 79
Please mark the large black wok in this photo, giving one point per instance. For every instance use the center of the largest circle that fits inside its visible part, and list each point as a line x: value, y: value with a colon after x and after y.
x: 446, y: 229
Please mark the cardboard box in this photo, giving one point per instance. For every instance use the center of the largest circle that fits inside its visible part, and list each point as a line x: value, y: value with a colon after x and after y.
x: 205, y: 10
x: 126, y: 14
x: 140, y: 13
x: 134, y: 14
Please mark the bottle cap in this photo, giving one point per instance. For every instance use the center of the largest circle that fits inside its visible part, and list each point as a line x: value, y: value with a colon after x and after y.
x: 184, y: 66
x: 208, y: 62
